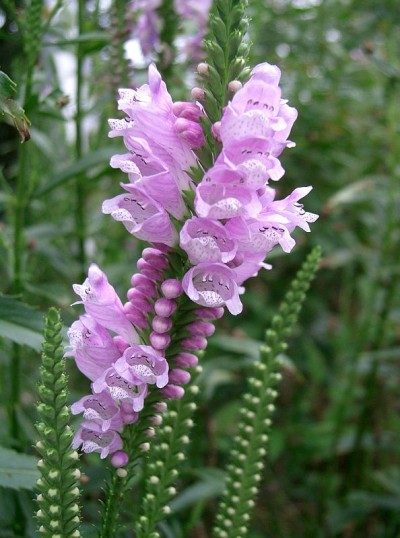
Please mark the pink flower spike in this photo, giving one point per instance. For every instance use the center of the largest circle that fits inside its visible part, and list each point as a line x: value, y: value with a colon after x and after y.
x: 194, y: 343
x: 161, y: 325
x: 179, y: 377
x: 159, y: 341
x: 186, y: 360
x: 119, y: 459
x: 171, y: 288
x: 174, y: 392
x: 164, y: 307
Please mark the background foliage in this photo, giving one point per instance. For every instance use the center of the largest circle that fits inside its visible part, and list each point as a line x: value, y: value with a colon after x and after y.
x: 334, y: 464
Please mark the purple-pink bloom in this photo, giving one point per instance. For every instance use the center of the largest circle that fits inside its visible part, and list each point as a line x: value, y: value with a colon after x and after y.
x: 142, y: 216
x: 145, y: 364
x: 93, y: 439
x: 219, y: 201
x: 102, y: 303
x: 120, y: 388
x: 92, y: 347
x: 213, y: 284
x: 150, y: 114
x: 206, y: 240
x: 100, y: 408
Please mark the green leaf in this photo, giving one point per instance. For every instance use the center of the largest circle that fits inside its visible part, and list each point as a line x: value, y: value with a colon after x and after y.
x: 17, y: 471
x: 20, y: 323
x: 11, y: 108
x: 96, y: 158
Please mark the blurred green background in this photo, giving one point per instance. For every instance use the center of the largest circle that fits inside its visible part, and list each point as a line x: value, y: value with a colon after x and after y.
x: 333, y: 468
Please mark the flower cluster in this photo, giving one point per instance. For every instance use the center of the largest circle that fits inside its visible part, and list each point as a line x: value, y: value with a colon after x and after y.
x: 238, y: 218
x: 192, y: 13
x: 219, y: 242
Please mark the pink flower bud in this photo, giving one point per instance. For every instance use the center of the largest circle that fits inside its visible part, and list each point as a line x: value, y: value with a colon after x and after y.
x: 164, y: 307
x: 161, y: 325
x: 201, y: 328
x: 202, y: 68
x: 173, y: 391
x: 155, y: 258
x: 194, y: 343
x: 187, y: 110
x: 186, y: 360
x: 129, y: 418
x: 179, y: 377
x: 148, y: 270
x: 144, y: 284
x: 120, y: 343
x: 139, y: 300
x: 198, y: 93
x: 136, y: 316
x: 215, y: 130
x: 210, y: 312
x: 171, y: 288
x: 156, y: 420
x: 234, y: 86
x: 160, y: 407
x: 159, y: 341
x: 119, y: 459
x: 190, y: 131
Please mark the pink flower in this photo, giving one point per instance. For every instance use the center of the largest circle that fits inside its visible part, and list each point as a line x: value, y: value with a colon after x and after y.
x: 145, y: 364
x: 92, y: 347
x: 213, y: 284
x: 93, y: 439
x: 103, y: 304
x: 142, y: 216
x: 206, y: 240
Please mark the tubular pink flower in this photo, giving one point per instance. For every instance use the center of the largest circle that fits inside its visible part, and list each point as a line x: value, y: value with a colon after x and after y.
x: 206, y: 240
x: 103, y: 304
x: 145, y: 364
x: 93, y: 439
x: 92, y: 347
x: 213, y: 284
x: 142, y: 216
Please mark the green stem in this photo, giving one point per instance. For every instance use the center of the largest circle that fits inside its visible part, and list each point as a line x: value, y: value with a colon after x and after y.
x: 80, y: 186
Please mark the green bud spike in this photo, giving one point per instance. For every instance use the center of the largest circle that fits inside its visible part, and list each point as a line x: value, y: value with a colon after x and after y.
x: 245, y: 471
x: 58, y: 488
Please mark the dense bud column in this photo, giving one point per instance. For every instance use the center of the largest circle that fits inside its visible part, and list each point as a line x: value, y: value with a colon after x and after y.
x: 58, y: 499
x: 245, y: 470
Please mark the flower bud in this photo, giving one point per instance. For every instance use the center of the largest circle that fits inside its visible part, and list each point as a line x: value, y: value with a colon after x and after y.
x: 164, y: 307
x: 234, y: 86
x: 198, y: 93
x: 210, y: 312
x: 186, y: 360
x: 172, y: 391
x: 179, y: 377
x: 161, y: 325
x: 200, y: 328
x: 202, y: 68
x: 159, y: 341
x: 144, y: 284
x: 194, y: 343
x: 119, y: 459
x: 171, y: 288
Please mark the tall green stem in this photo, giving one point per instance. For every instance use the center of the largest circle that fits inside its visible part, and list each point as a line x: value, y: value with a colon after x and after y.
x: 80, y: 187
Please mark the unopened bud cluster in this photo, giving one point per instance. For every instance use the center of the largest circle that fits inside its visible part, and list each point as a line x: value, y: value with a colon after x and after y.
x: 58, y: 497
